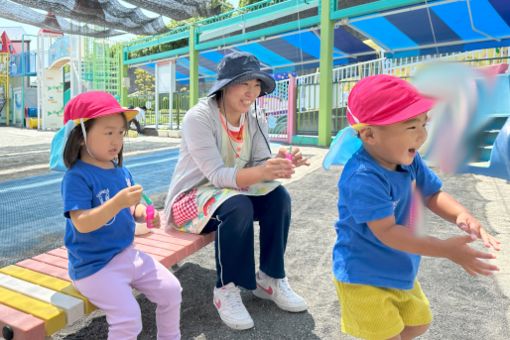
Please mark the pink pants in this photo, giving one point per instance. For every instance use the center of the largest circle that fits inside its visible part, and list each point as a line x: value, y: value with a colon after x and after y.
x: 110, y: 289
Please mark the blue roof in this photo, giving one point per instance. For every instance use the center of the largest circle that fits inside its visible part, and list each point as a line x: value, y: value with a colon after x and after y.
x: 429, y: 27
x: 439, y: 27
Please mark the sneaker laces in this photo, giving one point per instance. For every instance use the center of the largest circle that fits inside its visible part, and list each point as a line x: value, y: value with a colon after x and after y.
x: 233, y: 298
x: 285, y: 289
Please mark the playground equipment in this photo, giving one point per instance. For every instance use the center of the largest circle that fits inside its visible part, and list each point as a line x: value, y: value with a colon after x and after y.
x: 59, y: 75
x: 467, y: 132
x: 470, y: 124
x: 5, y: 52
x: 64, y: 67
x: 492, y: 157
x: 69, y: 65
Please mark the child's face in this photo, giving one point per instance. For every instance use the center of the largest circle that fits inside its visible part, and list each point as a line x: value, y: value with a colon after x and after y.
x: 396, y: 144
x: 104, y: 140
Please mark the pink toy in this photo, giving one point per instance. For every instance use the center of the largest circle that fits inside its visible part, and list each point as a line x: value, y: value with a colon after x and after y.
x: 288, y: 155
x: 150, y: 216
x: 149, y: 212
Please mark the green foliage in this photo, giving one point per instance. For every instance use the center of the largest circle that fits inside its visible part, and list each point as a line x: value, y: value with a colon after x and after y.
x: 243, y: 3
x: 145, y: 83
x: 217, y: 6
x: 224, y: 6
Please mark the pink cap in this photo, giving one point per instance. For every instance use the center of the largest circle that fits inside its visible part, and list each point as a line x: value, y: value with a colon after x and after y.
x: 385, y: 100
x: 95, y: 104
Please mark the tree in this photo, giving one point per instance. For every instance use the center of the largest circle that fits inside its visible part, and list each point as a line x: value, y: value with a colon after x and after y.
x: 145, y: 83
x: 244, y: 3
x: 215, y: 6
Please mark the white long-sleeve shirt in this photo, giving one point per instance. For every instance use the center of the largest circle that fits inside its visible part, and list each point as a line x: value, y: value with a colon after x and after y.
x: 200, y: 160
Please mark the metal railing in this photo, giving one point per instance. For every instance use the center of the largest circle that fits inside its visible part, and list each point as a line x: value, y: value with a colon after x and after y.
x: 345, y: 77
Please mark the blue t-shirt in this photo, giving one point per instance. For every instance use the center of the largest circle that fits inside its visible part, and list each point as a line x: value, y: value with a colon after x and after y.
x: 84, y: 187
x: 369, y: 192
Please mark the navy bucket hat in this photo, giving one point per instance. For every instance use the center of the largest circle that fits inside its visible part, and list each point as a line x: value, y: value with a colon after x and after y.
x: 240, y: 66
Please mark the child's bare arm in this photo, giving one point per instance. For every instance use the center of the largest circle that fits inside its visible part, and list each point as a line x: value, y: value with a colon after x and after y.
x: 139, y: 213
x: 89, y: 220
x: 445, y: 206
x: 455, y: 249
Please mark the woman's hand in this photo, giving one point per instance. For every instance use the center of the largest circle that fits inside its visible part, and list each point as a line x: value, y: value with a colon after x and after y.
x: 472, y: 226
x: 277, y: 167
x: 297, y: 158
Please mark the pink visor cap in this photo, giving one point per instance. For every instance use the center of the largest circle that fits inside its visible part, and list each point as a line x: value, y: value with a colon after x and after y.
x: 385, y: 100
x: 94, y: 104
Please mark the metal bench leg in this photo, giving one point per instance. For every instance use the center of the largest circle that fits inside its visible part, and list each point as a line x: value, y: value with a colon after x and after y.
x: 7, y: 332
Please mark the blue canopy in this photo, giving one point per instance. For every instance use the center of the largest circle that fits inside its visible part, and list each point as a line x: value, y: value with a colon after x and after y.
x: 429, y: 27
x: 438, y: 27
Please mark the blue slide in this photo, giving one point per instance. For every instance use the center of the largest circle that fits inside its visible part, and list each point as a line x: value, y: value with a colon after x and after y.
x: 499, y: 161
x: 493, y: 136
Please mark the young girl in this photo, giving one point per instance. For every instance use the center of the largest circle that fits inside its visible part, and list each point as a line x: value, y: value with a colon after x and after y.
x: 101, y: 205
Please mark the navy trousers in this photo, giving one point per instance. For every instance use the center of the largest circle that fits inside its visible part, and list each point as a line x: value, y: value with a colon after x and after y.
x: 234, y: 243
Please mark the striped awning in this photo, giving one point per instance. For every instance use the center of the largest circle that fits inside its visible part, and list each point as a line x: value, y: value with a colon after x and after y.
x: 438, y: 27
x: 429, y: 27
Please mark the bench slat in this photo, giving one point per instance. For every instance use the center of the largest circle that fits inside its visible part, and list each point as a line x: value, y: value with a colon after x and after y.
x: 45, y: 268
x: 54, y: 318
x: 72, y: 306
x: 191, y: 241
x: 25, y: 326
x: 166, y: 238
x: 59, y: 252
x: 158, y: 243
x: 48, y: 282
x: 53, y: 260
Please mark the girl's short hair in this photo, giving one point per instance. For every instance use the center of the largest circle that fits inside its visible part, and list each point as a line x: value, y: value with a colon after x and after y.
x: 75, y: 142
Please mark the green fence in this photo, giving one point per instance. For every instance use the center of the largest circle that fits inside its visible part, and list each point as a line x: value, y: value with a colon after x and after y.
x: 180, y: 105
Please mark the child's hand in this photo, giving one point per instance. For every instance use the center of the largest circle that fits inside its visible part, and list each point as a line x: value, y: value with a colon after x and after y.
x: 156, y: 222
x: 470, y: 259
x: 129, y: 196
x: 472, y: 226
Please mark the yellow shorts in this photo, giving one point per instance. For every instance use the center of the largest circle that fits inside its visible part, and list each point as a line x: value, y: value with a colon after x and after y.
x: 370, y: 312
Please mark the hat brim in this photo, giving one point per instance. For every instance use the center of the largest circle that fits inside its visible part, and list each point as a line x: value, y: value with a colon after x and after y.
x: 267, y: 82
x: 128, y: 113
x: 420, y: 106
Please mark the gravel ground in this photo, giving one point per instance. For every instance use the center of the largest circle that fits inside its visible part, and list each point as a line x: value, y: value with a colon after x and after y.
x: 464, y: 307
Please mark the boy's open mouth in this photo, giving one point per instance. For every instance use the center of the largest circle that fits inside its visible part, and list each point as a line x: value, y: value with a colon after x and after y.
x: 412, y: 150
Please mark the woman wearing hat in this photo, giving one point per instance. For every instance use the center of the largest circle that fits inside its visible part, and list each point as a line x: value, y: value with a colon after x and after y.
x: 224, y: 181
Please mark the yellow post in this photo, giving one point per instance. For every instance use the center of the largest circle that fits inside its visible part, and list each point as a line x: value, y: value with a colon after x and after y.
x: 4, y: 85
x: 193, y: 67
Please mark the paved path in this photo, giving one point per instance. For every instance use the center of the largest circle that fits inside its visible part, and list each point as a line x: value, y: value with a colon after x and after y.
x: 33, y: 221
x: 25, y: 152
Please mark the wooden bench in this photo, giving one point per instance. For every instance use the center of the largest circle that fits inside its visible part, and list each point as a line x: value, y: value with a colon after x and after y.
x: 36, y: 295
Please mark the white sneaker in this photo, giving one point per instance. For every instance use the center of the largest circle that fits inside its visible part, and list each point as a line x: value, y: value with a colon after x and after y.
x: 229, y: 304
x: 279, y: 291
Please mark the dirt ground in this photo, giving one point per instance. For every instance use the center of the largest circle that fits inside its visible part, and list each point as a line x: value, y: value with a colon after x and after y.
x: 464, y: 307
